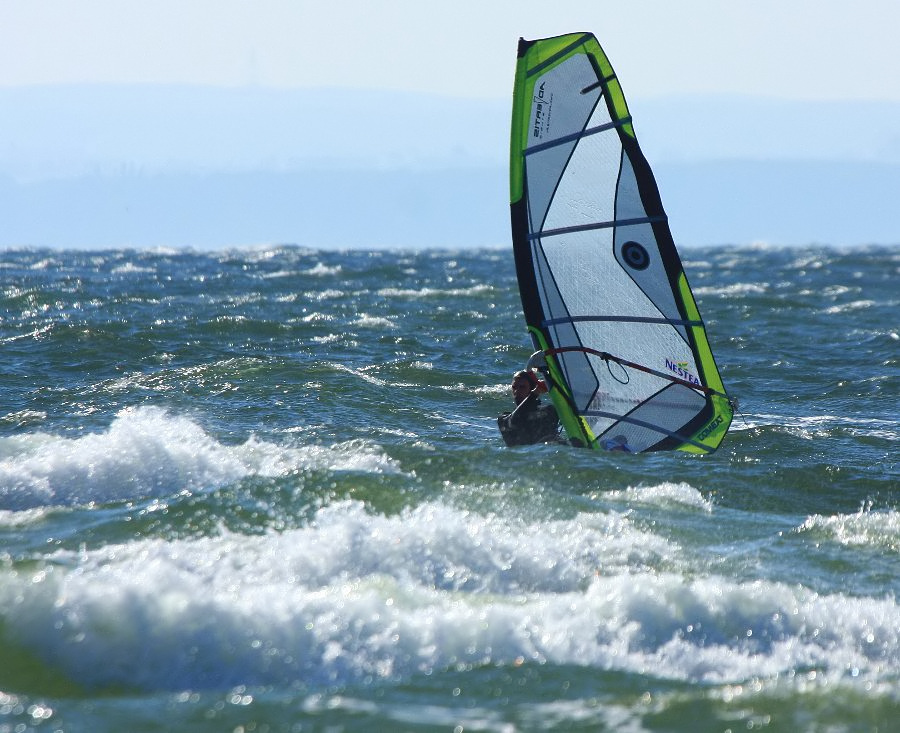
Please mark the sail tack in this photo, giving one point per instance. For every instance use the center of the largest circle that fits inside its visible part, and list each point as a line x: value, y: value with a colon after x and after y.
x: 603, y: 290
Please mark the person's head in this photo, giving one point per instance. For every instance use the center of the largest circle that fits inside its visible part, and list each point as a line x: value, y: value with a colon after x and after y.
x: 522, y: 384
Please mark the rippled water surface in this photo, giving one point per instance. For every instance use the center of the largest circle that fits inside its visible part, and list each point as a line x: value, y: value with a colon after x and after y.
x: 263, y: 490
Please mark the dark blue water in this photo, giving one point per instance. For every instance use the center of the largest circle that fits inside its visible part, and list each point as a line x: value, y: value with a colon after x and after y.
x: 263, y: 490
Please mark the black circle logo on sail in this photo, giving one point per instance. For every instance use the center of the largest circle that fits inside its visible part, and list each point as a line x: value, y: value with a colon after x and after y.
x: 635, y: 256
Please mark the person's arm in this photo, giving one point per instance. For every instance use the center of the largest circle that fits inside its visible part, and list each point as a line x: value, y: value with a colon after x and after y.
x: 520, y: 410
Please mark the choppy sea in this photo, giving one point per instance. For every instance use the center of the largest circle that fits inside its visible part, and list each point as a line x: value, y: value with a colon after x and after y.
x: 262, y: 490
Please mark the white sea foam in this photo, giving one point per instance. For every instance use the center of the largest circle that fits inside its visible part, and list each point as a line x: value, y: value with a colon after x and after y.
x: 367, y: 321
x: 854, y: 305
x: 811, y: 426
x: 277, y: 275
x: 24, y: 417
x: 734, y: 289
x: 664, y: 493
x: 323, y: 269
x: 148, y: 452
x: 129, y: 268
x: 361, y: 373
x: 430, y: 292
x: 326, y: 294
x: 872, y: 528
x: 23, y: 518
x: 316, y: 317
x: 357, y: 595
x: 487, y: 389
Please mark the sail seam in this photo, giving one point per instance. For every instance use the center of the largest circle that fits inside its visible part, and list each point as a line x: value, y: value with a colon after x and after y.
x: 577, y: 136
x: 597, y: 225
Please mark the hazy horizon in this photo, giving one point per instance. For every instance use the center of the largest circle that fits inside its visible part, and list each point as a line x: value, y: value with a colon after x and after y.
x: 211, y: 167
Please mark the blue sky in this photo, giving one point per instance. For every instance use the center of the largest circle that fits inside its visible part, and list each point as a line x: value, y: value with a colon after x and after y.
x: 796, y: 49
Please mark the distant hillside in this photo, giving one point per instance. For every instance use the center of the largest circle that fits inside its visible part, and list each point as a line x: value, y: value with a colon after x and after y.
x: 782, y: 202
x: 317, y: 208
x: 206, y: 167
x: 720, y: 127
x: 72, y: 130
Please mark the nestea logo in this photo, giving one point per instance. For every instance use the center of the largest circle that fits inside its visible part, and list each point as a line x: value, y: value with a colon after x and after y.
x: 680, y: 370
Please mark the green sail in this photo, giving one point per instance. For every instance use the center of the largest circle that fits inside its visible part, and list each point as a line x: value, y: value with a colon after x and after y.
x: 603, y: 290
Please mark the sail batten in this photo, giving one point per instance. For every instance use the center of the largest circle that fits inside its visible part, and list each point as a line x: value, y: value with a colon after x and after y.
x: 597, y: 267
x: 577, y: 135
x: 600, y: 83
x: 620, y: 319
x: 596, y: 225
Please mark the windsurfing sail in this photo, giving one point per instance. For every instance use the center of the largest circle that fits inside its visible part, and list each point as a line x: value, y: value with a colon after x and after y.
x: 605, y: 297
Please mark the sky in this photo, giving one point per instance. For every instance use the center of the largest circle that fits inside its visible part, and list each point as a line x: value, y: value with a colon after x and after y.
x: 738, y: 105
x: 793, y: 49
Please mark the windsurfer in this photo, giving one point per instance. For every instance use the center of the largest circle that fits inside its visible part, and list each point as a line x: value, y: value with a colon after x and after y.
x: 532, y: 421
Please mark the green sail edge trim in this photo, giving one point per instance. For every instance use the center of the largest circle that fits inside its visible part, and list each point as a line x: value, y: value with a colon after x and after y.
x: 575, y: 426
x: 714, y: 431
x: 613, y: 88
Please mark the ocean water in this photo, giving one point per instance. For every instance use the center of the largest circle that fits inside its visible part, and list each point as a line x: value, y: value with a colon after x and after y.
x: 262, y: 490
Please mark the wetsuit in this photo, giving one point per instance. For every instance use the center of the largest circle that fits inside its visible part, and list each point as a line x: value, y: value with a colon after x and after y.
x: 531, y: 422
